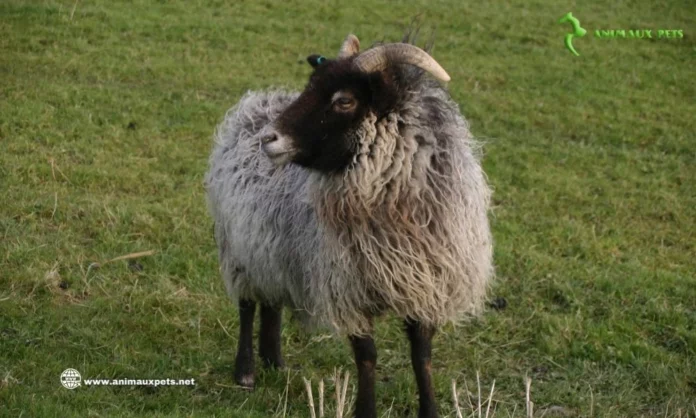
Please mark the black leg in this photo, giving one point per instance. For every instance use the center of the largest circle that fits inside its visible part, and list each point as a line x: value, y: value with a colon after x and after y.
x: 244, y: 364
x: 420, y: 337
x: 269, y: 337
x: 366, y: 360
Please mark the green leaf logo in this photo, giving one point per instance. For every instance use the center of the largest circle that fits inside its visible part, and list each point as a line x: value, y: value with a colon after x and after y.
x: 577, y: 31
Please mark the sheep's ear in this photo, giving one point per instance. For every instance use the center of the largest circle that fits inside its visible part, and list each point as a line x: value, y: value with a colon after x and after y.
x: 316, y: 60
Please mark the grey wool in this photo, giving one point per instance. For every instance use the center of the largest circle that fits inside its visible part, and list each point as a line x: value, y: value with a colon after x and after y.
x: 404, y: 229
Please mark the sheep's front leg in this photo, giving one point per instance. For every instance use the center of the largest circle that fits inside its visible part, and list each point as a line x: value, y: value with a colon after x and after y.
x: 269, y: 337
x: 366, y: 361
x: 421, y: 337
x: 244, y: 364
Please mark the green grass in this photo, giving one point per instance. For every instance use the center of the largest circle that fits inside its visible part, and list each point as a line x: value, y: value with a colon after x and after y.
x: 107, y: 111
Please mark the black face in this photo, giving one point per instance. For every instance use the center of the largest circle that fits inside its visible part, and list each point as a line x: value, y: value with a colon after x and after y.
x: 322, y: 123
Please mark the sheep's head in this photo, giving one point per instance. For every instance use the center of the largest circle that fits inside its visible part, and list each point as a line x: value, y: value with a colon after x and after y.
x: 319, y: 130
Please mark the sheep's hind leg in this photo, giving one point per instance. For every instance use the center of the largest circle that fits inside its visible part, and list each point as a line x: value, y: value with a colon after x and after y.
x: 366, y: 361
x: 244, y: 363
x: 421, y: 337
x: 269, y: 337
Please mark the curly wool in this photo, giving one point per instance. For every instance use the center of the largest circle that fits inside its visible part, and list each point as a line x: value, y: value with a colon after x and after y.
x: 404, y: 229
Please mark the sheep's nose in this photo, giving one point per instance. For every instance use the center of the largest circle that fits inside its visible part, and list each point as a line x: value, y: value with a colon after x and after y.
x: 269, y: 137
x: 277, y: 146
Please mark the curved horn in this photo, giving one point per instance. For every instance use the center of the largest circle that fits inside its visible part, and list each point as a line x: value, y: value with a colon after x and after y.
x: 378, y: 58
x: 350, y: 47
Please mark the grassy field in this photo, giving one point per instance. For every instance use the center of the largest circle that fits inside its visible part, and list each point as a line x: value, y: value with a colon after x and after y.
x: 107, y: 111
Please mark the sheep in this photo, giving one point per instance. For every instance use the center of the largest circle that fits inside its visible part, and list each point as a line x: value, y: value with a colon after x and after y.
x: 362, y: 195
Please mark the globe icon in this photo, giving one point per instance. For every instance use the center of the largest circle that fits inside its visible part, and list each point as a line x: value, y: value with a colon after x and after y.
x: 70, y: 378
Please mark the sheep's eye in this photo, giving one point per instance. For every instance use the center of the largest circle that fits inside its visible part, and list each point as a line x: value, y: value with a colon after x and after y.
x: 344, y: 103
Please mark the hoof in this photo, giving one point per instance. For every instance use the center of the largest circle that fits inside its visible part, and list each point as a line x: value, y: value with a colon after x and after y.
x: 246, y: 381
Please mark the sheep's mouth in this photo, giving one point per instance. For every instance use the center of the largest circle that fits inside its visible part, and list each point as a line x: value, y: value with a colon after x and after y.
x: 277, y: 154
x: 280, y: 159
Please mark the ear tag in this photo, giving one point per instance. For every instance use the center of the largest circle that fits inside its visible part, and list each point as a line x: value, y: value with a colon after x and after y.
x: 316, y: 60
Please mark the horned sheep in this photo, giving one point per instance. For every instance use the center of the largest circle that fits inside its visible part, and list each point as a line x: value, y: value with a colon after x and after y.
x: 361, y: 195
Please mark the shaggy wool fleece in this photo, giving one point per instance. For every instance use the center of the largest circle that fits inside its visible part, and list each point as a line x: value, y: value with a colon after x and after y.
x: 403, y: 229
